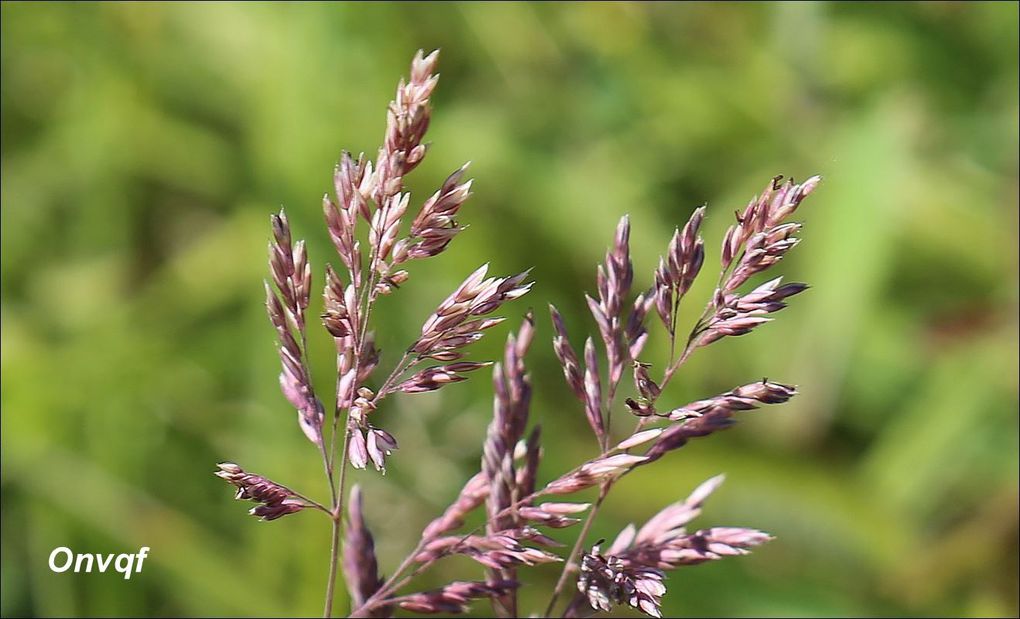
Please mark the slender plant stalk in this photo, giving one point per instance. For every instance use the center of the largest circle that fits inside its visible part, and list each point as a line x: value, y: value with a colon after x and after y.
x: 394, y: 583
x: 570, y: 564
x: 334, y: 513
x: 337, y: 527
x: 336, y: 541
x: 578, y: 544
x: 334, y: 555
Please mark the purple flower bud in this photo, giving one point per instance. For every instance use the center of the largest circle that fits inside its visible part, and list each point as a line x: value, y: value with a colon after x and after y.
x: 380, y: 444
x: 274, y: 500
x: 357, y: 450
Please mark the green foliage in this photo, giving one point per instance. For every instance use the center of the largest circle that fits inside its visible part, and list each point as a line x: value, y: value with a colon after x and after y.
x: 146, y: 144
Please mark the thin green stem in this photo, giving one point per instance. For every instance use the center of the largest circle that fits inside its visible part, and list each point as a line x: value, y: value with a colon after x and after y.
x: 609, y: 415
x: 334, y: 556
x: 672, y: 327
x: 336, y: 493
x: 393, y: 583
x: 312, y: 502
x: 340, y: 488
x: 334, y: 550
x: 569, y: 565
x: 343, y: 472
x: 405, y: 363
x: 338, y: 498
x: 327, y: 461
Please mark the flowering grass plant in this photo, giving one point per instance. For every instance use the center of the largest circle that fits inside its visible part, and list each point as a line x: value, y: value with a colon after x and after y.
x: 377, y: 234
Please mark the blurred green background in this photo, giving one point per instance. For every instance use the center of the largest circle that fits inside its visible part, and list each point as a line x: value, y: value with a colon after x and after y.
x: 144, y: 146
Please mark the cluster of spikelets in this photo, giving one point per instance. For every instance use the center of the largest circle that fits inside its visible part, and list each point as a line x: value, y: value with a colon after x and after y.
x: 631, y: 570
